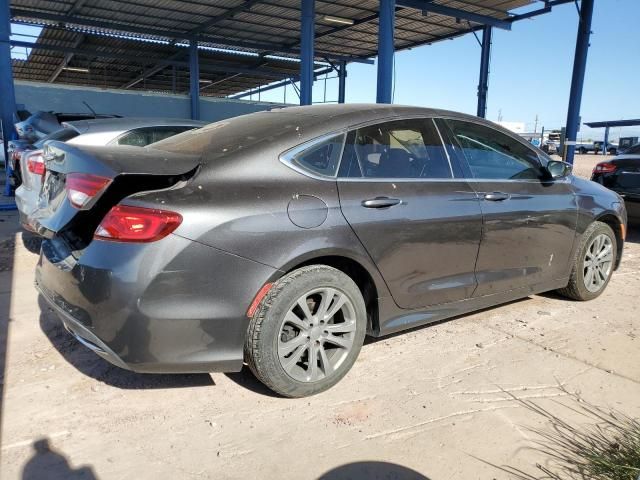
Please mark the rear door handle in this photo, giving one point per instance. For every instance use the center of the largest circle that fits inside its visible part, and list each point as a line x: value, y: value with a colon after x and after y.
x: 381, y: 202
x: 496, y: 196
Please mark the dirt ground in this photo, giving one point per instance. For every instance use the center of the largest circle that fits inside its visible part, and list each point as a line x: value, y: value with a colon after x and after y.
x: 436, y: 402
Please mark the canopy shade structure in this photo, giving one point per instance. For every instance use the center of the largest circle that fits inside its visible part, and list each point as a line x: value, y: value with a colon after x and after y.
x: 614, y: 123
x: 79, y: 58
x: 344, y: 29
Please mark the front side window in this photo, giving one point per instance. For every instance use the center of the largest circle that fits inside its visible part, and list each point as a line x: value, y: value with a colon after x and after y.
x: 493, y: 155
x: 397, y: 149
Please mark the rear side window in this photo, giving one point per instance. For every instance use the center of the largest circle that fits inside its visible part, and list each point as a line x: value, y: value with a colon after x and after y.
x: 493, y: 155
x: 398, y: 149
x: 141, y: 137
x: 320, y: 157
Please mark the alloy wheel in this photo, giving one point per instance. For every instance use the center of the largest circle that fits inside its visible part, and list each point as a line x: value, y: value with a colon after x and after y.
x: 598, y: 262
x: 317, y: 334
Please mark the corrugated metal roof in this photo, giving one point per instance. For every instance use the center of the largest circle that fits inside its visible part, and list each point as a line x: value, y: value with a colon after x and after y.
x: 219, y: 71
x: 126, y: 27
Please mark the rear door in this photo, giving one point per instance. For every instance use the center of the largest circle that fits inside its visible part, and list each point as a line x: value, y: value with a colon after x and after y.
x: 418, y: 219
x: 529, y: 221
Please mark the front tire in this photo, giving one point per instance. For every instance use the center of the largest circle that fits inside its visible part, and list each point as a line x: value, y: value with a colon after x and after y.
x: 307, y: 332
x: 593, y: 264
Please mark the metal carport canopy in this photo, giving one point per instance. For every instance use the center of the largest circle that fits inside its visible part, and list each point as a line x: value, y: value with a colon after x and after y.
x: 336, y: 32
x: 274, y: 26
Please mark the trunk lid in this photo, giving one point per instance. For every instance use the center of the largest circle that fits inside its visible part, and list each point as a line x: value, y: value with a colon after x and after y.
x: 128, y: 170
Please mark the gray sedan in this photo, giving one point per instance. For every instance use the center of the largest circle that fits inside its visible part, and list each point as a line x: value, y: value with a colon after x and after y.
x: 280, y: 239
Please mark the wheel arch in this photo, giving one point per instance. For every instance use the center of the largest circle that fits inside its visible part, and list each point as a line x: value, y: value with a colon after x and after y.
x: 365, y: 276
x: 616, y: 225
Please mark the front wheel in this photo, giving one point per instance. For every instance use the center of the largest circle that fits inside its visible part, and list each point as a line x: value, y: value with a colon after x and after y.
x: 307, y: 332
x: 593, y: 264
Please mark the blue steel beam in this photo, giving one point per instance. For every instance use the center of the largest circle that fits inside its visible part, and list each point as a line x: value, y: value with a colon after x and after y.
x: 577, y: 78
x: 246, y: 5
x: 7, y: 94
x: 386, y: 50
x: 483, y: 83
x: 342, y: 80
x: 194, y: 80
x: 428, y: 6
x: 307, y: 32
x: 606, y: 141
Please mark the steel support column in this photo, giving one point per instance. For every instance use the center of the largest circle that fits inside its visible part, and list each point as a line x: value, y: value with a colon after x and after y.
x: 307, y: 33
x: 386, y: 50
x: 7, y: 93
x: 577, y: 79
x: 342, y: 80
x: 606, y: 140
x: 194, y: 80
x: 483, y: 82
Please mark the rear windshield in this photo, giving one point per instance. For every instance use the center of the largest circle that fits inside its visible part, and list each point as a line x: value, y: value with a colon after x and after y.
x: 633, y: 150
x: 225, y: 137
x: 61, y: 135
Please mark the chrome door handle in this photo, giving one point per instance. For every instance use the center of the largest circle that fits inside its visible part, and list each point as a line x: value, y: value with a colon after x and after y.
x: 381, y: 202
x: 496, y: 196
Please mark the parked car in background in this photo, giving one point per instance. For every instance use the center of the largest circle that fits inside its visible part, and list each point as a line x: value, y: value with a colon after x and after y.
x: 97, y: 132
x: 550, y: 147
x: 15, y: 148
x: 281, y: 238
x: 622, y: 175
x: 41, y: 124
x: 584, y: 147
x: 612, y: 148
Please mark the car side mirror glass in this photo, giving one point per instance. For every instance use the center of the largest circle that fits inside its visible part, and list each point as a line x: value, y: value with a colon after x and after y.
x: 559, y: 169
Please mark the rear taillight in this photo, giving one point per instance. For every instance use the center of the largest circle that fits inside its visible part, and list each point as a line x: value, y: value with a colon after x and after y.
x: 82, y: 188
x: 125, y: 223
x: 604, y: 167
x: 35, y: 164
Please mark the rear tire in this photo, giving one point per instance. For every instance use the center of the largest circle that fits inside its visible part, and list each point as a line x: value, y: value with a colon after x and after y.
x: 307, y: 331
x: 593, y: 264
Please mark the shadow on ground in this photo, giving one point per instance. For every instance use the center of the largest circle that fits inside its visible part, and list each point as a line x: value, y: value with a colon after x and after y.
x: 88, y: 363
x: 372, y: 471
x: 47, y: 463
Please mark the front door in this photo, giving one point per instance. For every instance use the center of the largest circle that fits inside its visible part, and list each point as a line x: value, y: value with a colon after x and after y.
x: 529, y: 221
x: 417, y: 218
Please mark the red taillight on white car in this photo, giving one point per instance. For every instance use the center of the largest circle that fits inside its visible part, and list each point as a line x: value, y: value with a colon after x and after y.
x: 125, y: 223
x: 605, y: 167
x: 35, y: 164
x: 83, y: 187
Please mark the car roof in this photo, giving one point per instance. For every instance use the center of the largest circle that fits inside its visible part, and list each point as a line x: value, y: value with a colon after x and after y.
x: 98, y: 125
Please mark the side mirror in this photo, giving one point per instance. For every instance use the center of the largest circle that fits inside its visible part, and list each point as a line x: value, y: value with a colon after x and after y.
x: 559, y: 169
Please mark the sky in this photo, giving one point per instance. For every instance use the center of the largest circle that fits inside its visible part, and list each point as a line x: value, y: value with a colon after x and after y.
x: 530, y: 73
